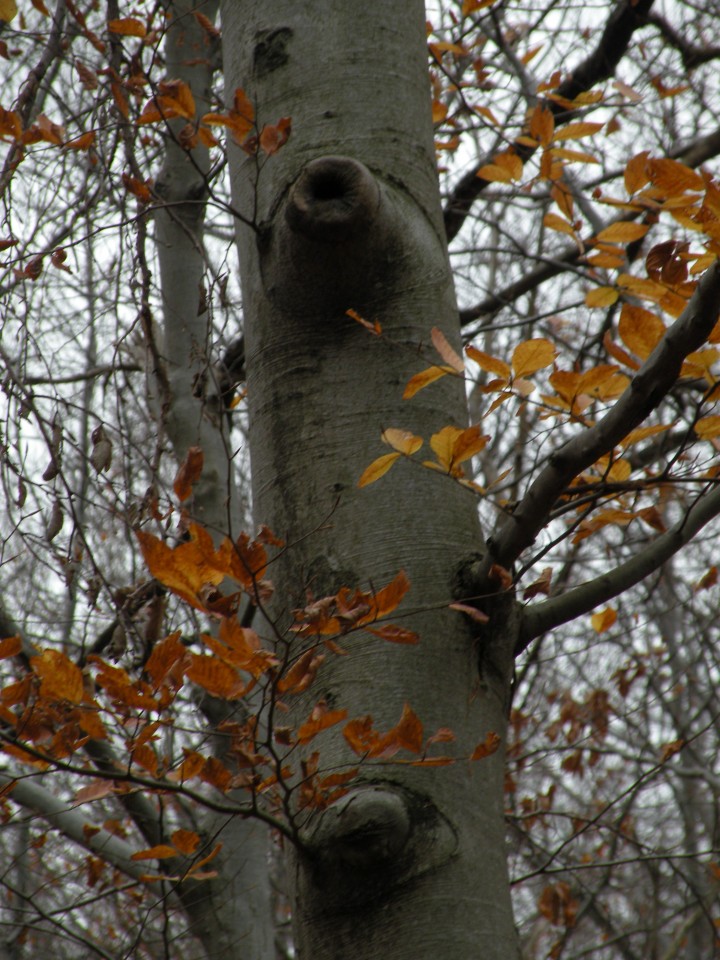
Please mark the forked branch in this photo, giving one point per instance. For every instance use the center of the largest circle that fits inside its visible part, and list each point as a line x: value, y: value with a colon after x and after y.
x: 599, y: 65
x: 645, y: 393
x: 561, y: 609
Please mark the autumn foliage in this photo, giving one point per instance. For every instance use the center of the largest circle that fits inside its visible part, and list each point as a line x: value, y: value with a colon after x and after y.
x: 143, y: 653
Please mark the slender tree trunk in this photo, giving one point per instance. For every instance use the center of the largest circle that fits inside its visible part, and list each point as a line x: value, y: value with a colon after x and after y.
x: 193, y: 413
x: 410, y: 864
x: 232, y: 914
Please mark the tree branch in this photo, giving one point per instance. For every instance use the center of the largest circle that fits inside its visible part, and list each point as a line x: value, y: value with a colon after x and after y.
x: 646, y: 391
x: 600, y: 65
x: 692, y: 155
x: 692, y: 56
x: 551, y: 613
x: 544, y: 271
x: 72, y: 824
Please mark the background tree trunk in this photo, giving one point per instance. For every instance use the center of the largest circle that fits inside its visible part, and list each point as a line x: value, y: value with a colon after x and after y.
x: 232, y: 914
x: 347, y: 215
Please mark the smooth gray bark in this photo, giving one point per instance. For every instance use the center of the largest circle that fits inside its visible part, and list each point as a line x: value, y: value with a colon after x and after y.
x: 231, y: 915
x: 410, y: 864
x: 192, y: 414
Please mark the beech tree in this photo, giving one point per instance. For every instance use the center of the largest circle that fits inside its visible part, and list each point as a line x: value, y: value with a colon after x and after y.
x: 334, y: 580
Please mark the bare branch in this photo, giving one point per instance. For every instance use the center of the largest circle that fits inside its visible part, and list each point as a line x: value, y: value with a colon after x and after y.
x: 72, y: 824
x: 692, y: 55
x: 600, y: 65
x: 551, y: 613
x: 544, y: 271
x: 644, y: 394
x: 26, y: 100
x: 692, y: 155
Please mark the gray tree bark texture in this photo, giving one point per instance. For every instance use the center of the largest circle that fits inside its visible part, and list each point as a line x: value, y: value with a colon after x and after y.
x: 193, y: 413
x: 410, y: 863
x: 231, y: 915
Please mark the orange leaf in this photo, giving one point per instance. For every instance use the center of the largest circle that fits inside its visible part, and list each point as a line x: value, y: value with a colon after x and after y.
x: 207, y: 25
x: 467, y: 443
x: 443, y: 443
x: 60, y: 679
x: 302, y: 673
x: 509, y: 162
x: 541, y: 585
x: 574, y: 156
x: 121, y: 101
x: 272, y: 138
x: 145, y: 757
x: 164, y: 657
x: 242, y: 648
x: 186, y: 841
x: 191, y: 766
x: 8, y: 10
x: 94, y: 791
x: 553, y: 222
x: 374, y: 328
x: 240, y: 120
x: 10, y: 647
x: 542, y: 124
x: 446, y: 351
x: 601, y: 297
x: 673, y: 177
x: 162, y: 851
x: 636, y: 175
x: 205, y: 860
x: 487, y: 747
x: 402, y: 440
x: 603, y: 620
x: 602, y: 519
x: 708, y: 427
x: 127, y: 27
x: 219, y: 679
x: 409, y: 732
x: 364, y: 740
x: 622, y: 232
x: 708, y: 579
x: 377, y: 469
x: 557, y: 904
x: 49, y: 131
x: 470, y: 6
x: 618, y: 353
x: 388, y: 598
x: 424, y: 379
x: 137, y: 188
x: 606, y: 260
x: 670, y: 749
x: 394, y: 634
x: 487, y: 362
x: 188, y: 472
x: 477, y: 615
x: 531, y: 356
x: 494, y: 173
x: 83, y: 142
x: 245, y: 560
x: 500, y: 575
x: 641, y: 433
x: 187, y: 568
x: 574, y: 131
x: 640, y: 330
x: 320, y: 719
x: 563, y: 197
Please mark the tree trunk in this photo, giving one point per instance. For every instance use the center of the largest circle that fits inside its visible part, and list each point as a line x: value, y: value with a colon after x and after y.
x: 232, y: 914
x: 193, y: 410
x: 411, y: 863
